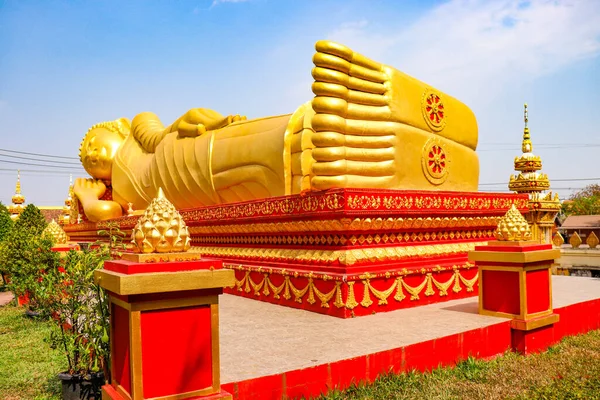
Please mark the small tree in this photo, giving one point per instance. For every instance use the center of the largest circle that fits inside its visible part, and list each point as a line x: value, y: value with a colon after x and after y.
x: 31, y: 220
x: 6, y: 224
x: 584, y: 202
x: 27, y: 258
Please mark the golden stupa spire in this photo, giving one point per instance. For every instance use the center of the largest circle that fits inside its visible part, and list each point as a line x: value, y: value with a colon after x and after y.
x: 66, y: 217
x: 528, y: 180
x: 17, y: 207
x: 543, y: 207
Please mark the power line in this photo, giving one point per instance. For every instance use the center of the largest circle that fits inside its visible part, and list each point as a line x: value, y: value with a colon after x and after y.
x: 539, y: 144
x: 29, y: 173
x: 37, y: 165
x: 40, y: 159
x: 551, y: 180
x: 38, y: 154
x: 543, y: 148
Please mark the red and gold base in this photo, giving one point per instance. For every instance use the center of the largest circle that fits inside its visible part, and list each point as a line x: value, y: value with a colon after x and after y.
x: 515, y: 281
x: 164, y: 328
x: 347, y: 296
x: 345, y: 252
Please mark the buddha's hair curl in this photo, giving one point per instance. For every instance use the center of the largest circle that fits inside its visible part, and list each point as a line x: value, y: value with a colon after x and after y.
x: 122, y: 126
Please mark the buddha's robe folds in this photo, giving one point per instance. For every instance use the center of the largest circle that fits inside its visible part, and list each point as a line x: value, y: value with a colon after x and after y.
x: 243, y: 161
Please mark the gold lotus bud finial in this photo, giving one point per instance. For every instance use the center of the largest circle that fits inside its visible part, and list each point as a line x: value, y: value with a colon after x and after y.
x: 513, y: 226
x: 53, y: 229
x: 161, y: 229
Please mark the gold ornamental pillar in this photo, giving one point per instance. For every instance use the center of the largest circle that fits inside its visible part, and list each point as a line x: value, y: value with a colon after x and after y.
x: 543, y: 206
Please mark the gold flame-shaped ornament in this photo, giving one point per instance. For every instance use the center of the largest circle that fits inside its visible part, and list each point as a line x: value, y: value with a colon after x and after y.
x: 53, y: 229
x: 513, y: 226
x: 161, y: 229
x: 592, y: 240
x: 558, y: 240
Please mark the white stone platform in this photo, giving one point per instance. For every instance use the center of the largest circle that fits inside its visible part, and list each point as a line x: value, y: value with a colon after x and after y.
x: 259, y: 339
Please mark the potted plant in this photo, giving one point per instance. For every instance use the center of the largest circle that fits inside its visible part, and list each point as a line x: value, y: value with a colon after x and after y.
x: 79, y: 309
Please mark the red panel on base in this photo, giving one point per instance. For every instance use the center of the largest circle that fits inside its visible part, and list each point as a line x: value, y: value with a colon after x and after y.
x: 169, y: 339
x: 514, y: 249
x: 131, y: 267
x: 500, y: 291
x: 538, y: 291
x: 120, y: 345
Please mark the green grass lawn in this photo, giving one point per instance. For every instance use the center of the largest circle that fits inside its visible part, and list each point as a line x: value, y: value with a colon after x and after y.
x: 28, y: 367
x: 570, y: 370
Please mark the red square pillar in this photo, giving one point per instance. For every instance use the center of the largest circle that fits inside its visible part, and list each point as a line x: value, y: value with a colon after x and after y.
x: 164, y: 326
x: 515, y: 281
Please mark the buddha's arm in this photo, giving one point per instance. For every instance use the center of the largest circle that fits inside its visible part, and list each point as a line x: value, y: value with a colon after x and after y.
x: 149, y: 131
x: 372, y: 123
x: 89, y: 191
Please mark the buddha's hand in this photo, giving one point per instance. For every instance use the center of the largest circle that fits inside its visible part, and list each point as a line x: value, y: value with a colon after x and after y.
x: 88, y: 188
x: 235, y: 118
x: 355, y: 121
x: 197, y: 121
x: 191, y: 124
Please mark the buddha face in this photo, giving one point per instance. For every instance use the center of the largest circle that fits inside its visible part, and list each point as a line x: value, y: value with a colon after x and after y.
x: 98, y: 151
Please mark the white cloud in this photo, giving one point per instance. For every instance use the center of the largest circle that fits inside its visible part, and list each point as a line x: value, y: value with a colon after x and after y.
x: 463, y: 46
x: 216, y: 2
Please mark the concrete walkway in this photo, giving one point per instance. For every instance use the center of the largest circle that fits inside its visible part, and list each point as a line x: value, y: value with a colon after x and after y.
x: 259, y: 338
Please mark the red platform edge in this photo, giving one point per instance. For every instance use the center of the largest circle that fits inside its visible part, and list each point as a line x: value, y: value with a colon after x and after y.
x: 132, y: 267
x: 483, y: 343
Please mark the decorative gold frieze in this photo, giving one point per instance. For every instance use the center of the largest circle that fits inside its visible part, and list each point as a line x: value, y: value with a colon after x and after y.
x: 344, y: 257
x: 290, y: 290
x: 347, y: 224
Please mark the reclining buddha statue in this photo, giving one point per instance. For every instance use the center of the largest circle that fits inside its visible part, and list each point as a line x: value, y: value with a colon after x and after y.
x: 368, y: 126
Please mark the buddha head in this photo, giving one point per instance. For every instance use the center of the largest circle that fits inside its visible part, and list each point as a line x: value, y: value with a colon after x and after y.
x: 100, y: 145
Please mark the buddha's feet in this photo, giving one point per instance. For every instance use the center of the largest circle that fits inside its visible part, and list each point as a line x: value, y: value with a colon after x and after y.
x: 375, y: 127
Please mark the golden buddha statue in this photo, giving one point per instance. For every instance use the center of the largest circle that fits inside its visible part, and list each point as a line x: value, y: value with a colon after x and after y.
x: 368, y: 126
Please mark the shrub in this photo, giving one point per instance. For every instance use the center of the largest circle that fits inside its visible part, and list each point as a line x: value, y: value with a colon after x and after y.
x: 31, y: 220
x: 27, y: 257
x: 6, y: 224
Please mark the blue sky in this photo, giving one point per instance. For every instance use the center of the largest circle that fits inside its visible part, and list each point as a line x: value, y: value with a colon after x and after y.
x: 66, y: 65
